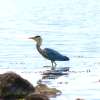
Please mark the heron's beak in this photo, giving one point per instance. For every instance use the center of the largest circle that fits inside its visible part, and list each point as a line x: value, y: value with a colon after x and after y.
x: 31, y: 38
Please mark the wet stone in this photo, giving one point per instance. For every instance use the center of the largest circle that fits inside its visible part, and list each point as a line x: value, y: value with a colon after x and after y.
x: 53, y: 74
x: 14, y: 86
x: 45, y: 90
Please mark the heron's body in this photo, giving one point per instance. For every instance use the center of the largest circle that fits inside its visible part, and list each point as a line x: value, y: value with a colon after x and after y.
x: 48, y: 53
x: 54, y: 55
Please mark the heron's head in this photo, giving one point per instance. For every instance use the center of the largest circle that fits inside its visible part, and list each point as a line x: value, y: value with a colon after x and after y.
x: 38, y: 39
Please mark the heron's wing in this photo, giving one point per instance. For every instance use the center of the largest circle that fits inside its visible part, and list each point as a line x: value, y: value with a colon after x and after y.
x: 53, y: 55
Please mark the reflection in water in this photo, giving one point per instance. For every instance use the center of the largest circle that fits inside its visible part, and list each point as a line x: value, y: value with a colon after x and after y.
x: 54, y: 74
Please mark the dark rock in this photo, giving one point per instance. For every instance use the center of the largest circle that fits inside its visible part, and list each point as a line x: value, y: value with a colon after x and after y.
x: 50, y: 76
x: 14, y: 86
x: 58, y: 71
x: 36, y: 96
x: 53, y: 74
x: 63, y: 69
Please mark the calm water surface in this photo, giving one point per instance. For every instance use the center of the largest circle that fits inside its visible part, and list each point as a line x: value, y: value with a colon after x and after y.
x: 71, y: 27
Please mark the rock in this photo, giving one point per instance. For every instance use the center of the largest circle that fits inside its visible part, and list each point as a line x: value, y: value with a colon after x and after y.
x: 63, y: 69
x: 53, y: 74
x: 14, y: 86
x: 35, y: 96
x: 58, y: 71
x: 45, y: 90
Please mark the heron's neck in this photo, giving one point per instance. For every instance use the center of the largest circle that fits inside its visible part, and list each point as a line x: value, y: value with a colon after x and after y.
x: 38, y: 48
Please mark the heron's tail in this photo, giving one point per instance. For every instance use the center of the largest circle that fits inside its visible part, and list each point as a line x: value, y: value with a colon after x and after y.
x: 66, y: 58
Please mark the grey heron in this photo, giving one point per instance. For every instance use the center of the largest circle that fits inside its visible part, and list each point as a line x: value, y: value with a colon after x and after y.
x: 48, y: 53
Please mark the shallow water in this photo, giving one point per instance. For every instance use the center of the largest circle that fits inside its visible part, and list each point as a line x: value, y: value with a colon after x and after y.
x: 70, y: 27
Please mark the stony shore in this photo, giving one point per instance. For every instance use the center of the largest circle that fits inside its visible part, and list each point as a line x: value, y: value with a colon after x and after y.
x: 14, y: 87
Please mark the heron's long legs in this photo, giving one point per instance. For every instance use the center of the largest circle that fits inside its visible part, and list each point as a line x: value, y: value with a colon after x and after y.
x: 53, y: 66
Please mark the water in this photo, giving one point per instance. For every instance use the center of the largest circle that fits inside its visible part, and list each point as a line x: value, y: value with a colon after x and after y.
x: 71, y: 27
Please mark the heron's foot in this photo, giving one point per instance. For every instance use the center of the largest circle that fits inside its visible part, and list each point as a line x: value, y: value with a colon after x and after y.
x: 53, y: 68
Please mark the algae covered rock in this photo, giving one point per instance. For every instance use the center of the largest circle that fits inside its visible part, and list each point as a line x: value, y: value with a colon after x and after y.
x: 45, y: 90
x: 13, y: 85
